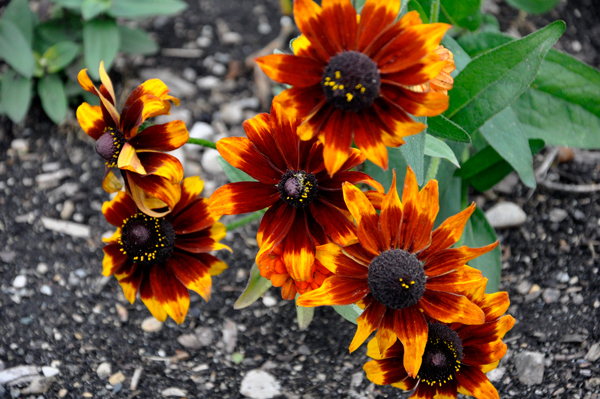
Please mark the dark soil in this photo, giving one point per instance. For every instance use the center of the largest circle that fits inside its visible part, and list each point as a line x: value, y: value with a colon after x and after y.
x: 77, y: 326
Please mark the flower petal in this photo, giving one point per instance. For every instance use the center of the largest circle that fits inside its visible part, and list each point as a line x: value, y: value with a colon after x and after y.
x: 452, y: 258
x: 275, y: 225
x: 150, y: 300
x: 411, y: 329
x: 191, y: 187
x: 242, y: 154
x: 118, y: 209
x: 459, y: 281
x: 424, y: 391
x: 166, y: 137
x: 395, y: 121
x: 338, y: 139
x: 129, y: 160
x: 429, y: 103
x: 396, y: 350
x: 391, y: 32
x: 163, y: 165
x: 155, y: 87
x: 107, y: 83
x: 375, y: 16
x: 450, y: 308
x: 386, y: 335
x: 284, y: 127
x: 408, y: 384
x: 447, y: 390
x: 139, y: 111
x: 300, y: 102
x: 91, y: 120
x: 494, y: 305
x: 113, y: 259
x: 311, y: 23
x: 352, y: 177
x: 368, y: 321
x: 483, y: 354
x: 197, y: 216
x: 291, y: 70
x: 168, y: 291
x: 130, y: 281
x: 425, y: 70
x: 192, y: 273
x: 153, y: 193
x: 314, y: 122
x: 385, y: 371
x: 333, y: 258
x: 420, y: 210
x: 258, y: 130
x: 203, y: 241
x: 242, y: 197
x: 111, y: 183
x: 476, y: 383
x: 215, y: 265
x: 336, y: 290
x: 334, y: 222
x: 368, y: 137
x: 366, y: 217
x: 391, y: 215
x: 299, y: 250
x: 111, y: 116
x: 341, y: 24
x: 483, y: 334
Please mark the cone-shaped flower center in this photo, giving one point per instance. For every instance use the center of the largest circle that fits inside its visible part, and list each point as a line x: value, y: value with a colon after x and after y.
x: 147, y: 240
x: 442, y: 356
x: 298, y: 188
x: 396, y: 279
x: 351, y: 81
x: 109, y: 146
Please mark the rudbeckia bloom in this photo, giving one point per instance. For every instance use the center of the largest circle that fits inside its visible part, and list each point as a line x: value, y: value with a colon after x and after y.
x: 164, y: 257
x: 306, y: 205
x: 151, y: 177
x: 359, y: 77
x: 400, y: 272
x: 456, y: 357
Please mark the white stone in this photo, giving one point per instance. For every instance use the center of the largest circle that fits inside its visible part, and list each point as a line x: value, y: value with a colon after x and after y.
x: 203, y: 42
x: 202, y: 130
x: 269, y: 301
x: 67, y: 210
x: 17, y: 372
x: 496, y: 374
x: 42, y: 268
x: 180, y: 393
x: 258, y: 384
x: 189, y: 341
x: 150, y: 324
x: 506, y: 214
x: 189, y: 74
x: 50, y: 371
x: 231, y: 38
x: 530, y: 367
x: 69, y: 228
x: 20, y: 281
x: 232, y: 114
x: 208, y: 82
x: 104, y: 370
x: 209, y: 162
x: 46, y: 290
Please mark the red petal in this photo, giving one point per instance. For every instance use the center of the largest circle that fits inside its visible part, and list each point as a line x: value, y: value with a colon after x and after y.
x: 169, y: 292
x: 291, y: 70
x: 336, y: 290
x: 458, y: 282
x: 284, y: 132
x: 452, y: 258
x: 423, y: 391
x: 367, y: 322
x: 242, y: 197
x: 91, y: 120
x: 366, y: 217
x: 163, y: 165
x: 149, y: 299
x: 386, y: 335
x: 476, y: 383
x: 428, y: 207
x: 118, y: 209
x: 191, y: 187
x: 335, y: 223
x: 113, y: 259
x: 242, y: 154
x: 203, y: 241
x: 411, y: 329
x: 483, y: 354
x: 299, y: 250
x: 375, y: 16
x: 215, y: 265
x: 300, y: 102
x: 418, y: 104
x: 166, y: 137
x: 341, y: 24
x: 314, y: 122
x: 368, y: 137
x: 192, y: 273
x: 153, y: 186
x: 333, y: 258
x: 395, y: 121
x: 338, y: 138
x: 258, y: 130
x: 154, y: 87
x: 195, y: 217
x: 275, y: 225
x: 448, y: 390
x: 311, y: 23
x: 391, y: 32
x: 425, y: 70
x: 450, y: 308
x: 385, y: 371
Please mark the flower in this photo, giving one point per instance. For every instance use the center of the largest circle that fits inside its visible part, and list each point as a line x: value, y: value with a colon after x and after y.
x: 400, y: 272
x: 456, y: 357
x: 151, y: 177
x: 164, y: 257
x: 359, y: 77
x: 306, y: 205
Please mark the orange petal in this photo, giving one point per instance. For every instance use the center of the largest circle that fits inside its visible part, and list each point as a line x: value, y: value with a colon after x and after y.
x: 86, y: 83
x: 368, y: 137
x: 215, y: 265
x: 197, y: 216
x: 242, y: 154
x: 150, y: 300
x: 452, y: 258
x: 114, y: 239
x: 130, y: 282
x: 411, y: 329
x: 291, y: 70
x: 428, y: 207
x: 385, y: 371
x: 396, y: 350
x: 338, y: 139
x: 300, y: 102
x: 128, y: 160
x: 146, y: 189
x: 118, y: 209
x: 494, y: 305
x: 311, y: 23
x: 457, y: 282
x: 418, y: 104
x: 476, y: 383
x: 283, y: 127
x: 483, y: 334
x: 386, y: 335
x: 140, y: 110
x: 391, y: 215
x: 242, y: 197
x: 155, y: 87
x: 450, y: 308
x: 333, y: 258
x: 107, y: 83
x: 410, y: 209
x: 396, y: 122
x: 341, y: 24
x: 111, y: 183
x: 91, y: 120
x: 336, y: 290
x: 163, y: 165
x: 335, y: 224
x: 172, y: 296
x: 375, y: 16
x: 113, y: 259
x: 353, y: 178
x: 425, y: 70
x: 483, y: 354
x: 299, y: 250
x: 192, y: 273
x: 366, y: 217
x: 408, y: 384
x: 314, y: 122
x: 258, y: 130
x: 191, y: 187
x: 203, y: 241
x: 166, y: 137
x: 367, y: 322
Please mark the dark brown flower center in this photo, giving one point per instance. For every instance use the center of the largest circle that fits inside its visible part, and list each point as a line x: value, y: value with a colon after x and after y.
x: 147, y: 240
x: 442, y: 356
x: 351, y: 81
x: 396, y: 279
x: 298, y: 188
x: 109, y: 146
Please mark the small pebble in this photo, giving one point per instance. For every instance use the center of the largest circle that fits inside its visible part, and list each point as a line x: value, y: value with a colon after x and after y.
x: 269, y: 301
x: 20, y: 281
x: 46, y: 290
x: 150, y: 324
x: 104, y: 370
x: 42, y: 268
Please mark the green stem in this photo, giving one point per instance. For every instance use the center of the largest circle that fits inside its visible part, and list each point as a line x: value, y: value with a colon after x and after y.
x: 434, y: 166
x: 202, y: 142
x: 245, y: 220
x: 435, y: 12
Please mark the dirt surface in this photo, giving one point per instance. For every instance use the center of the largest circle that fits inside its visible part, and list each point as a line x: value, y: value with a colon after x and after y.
x: 57, y: 311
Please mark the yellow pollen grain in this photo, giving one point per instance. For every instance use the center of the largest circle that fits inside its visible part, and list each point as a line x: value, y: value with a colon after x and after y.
x: 358, y: 86
x: 338, y: 74
x: 362, y: 90
x: 341, y: 87
x: 349, y: 97
x: 335, y: 87
x: 327, y: 79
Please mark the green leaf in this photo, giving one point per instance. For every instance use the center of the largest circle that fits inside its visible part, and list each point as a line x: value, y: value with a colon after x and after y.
x: 76, y: 4
x: 349, y: 312
x: 464, y: 13
x: 101, y: 41
x: 304, y: 316
x: 358, y: 5
x: 233, y: 174
x: 257, y: 285
x: 68, y: 28
x: 414, y: 5
x: 18, y: 12
x: 461, y: 58
x: 136, y: 41
x: 534, y: 6
x: 492, y: 81
x: 15, y: 95
x: 145, y: 8
x: 15, y: 49
x: 437, y: 148
x: 395, y: 161
x: 413, y: 153
x: 59, y: 56
x: 444, y: 128
x: 54, y: 100
x: 93, y: 8
x: 449, y: 196
x: 478, y: 233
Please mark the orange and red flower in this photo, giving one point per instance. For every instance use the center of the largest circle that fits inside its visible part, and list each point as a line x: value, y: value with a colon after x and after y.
x: 164, y: 257
x: 306, y: 204
x: 360, y: 77
x: 400, y: 272
x: 456, y: 357
x: 151, y: 177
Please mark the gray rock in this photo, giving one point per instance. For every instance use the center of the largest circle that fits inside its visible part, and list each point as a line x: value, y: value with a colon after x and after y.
x: 104, y: 370
x: 17, y: 372
x: 20, y: 281
x: 578, y: 215
x: 229, y: 335
x: 209, y: 162
x: 203, y: 42
x: 178, y: 87
x: 67, y: 210
x: 46, y: 290
x: 578, y: 299
x: 189, y: 341
x: 42, y: 268
x: 69, y: 228
x: 177, y: 113
x: 530, y: 367
x: 496, y: 374
x: 507, y: 185
x: 208, y: 82
x: 174, y: 392
x: 232, y: 114
x: 551, y: 295
x: 150, y: 324
x: 258, y: 384
x: 562, y: 277
x: 506, y: 214
x: 523, y: 287
x: 20, y: 145
x: 205, y: 335
x: 189, y: 74
x: 231, y: 38
x: 557, y: 215
x: 39, y: 385
x: 594, y: 353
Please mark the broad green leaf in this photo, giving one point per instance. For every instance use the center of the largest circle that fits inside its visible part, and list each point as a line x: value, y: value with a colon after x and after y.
x: 145, y: 8
x: 15, y: 49
x: 492, y: 81
x: 464, y: 13
x: 101, y: 41
x: 18, y: 12
x: 92, y: 8
x: 304, y: 316
x: 257, y: 285
x: 437, y: 148
x: 68, y: 28
x: 534, y: 6
x: 349, y: 312
x: 136, y: 41
x: 54, y: 100
x: 444, y: 128
x: 478, y: 233
x: 76, y: 4
x: 413, y: 152
x: 59, y: 56
x: 15, y: 95
x: 449, y: 196
x: 414, y: 5
x: 233, y: 174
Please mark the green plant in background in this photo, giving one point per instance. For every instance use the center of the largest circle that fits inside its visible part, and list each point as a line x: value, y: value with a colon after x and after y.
x: 82, y: 32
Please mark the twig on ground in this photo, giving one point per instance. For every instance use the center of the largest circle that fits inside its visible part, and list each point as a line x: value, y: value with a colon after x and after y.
x: 571, y: 188
x: 542, y: 170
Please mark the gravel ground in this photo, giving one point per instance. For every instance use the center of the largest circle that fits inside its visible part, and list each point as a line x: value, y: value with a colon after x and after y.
x: 72, y: 333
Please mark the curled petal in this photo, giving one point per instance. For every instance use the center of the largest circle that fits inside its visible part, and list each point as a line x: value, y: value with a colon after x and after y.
x: 111, y: 183
x: 152, y: 193
x: 129, y: 160
x: 163, y: 165
x: 191, y: 187
x: 494, y: 305
x: 91, y: 120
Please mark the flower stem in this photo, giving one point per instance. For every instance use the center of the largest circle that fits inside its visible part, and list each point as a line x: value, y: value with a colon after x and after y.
x: 202, y: 142
x: 434, y: 166
x: 245, y: 220
x: 435, y: 12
